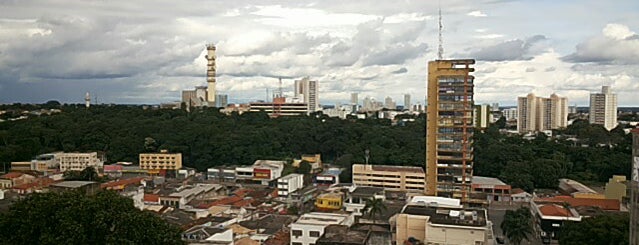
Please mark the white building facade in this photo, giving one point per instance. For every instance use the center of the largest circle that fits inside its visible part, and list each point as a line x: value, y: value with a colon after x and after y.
x: 310, y: 226
x: 603, y: 108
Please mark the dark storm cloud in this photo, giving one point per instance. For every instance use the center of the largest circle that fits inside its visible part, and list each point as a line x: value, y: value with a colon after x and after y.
x: 400, y: 70
x: 517, y: 49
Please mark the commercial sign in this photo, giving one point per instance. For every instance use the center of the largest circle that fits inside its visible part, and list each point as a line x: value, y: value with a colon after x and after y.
x: 261, y: 173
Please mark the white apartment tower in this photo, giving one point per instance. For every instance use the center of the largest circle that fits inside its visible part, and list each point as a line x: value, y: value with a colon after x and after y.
x: 87, y: 100
x: 210, y: 74
x: 307, y: 90
x: 539, y: 114
x: 407, y: 103
x: 603, y: 108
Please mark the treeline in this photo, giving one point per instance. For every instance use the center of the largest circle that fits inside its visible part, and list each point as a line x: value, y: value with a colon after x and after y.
x: 208, y: 138
x: 585, y: 152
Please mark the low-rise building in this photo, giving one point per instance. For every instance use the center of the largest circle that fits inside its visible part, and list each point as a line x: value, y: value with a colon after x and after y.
x: 262, y: 171
x: 550, y: 217
x: 393, y: 178
x: 11, y: 179
x: 84, y: 186
x: 494, y: 189
x: 289, y: 184
x: 341, y: 234
x: 161, y: 161
x: 355, y: 200
x: 222, y: 174
x: 438, y: 220
x: 327, y: 178
x: 578, y: 190
x: 519, y: 195
x: 329, y: 201
x: 310, y: 226
x: 616, y: 188
x: 203, y: 234
x: 315, y: 160
x: 78, y: 161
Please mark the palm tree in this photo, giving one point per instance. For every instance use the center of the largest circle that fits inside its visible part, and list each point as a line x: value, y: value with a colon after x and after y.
x: 517, y: 225
x: 374, y: 207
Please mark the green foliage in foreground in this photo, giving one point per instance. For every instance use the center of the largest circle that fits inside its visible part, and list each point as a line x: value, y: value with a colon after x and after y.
x: 603, y: 229
x: 517, y: 225
x: 76, y: 218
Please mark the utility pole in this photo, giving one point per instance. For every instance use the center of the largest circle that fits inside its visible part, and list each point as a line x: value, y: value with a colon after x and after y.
x: 634, y: 190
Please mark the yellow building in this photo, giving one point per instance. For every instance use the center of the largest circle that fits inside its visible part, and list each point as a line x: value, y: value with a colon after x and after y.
x: 616, y: 187
x: 442, y: 224
x: 315, y: 161
x: 162, y: 160
x: 449, y: 128
x: 329, y: 201
x: 392, y: 178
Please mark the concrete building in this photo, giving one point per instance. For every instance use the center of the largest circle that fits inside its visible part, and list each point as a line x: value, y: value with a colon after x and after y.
x: 78, y: 161
x: 491, y: 189
x: 310, y: 226
x: 354, y: 99
x: 280, y: 107
x: 436, y: 220
x: 510, y: 114
x: 11, y: 179
x: 449, y: 127
x: 539, y: 114
x: 603, y: 108
x: 550, y: 217
x: 308, y: 91
x: 482, y: 116
x: 223, y: 174
x: 289, y: 183
x: 161, y: 161
x: 389, y: 103
x: 222, y: 100
x: 392, y: 178
x: 211, y: 94
x: 356, y: 197
x: 616, y: 187
x: 195, y: 98
x: 407, y: 103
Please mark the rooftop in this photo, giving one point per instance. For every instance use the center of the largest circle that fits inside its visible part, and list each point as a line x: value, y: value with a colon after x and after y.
x: 342, y: 234
x: 11, y: 175
x: 290, y: 176
x: 604, y: 204
x: 73, y: 184
x: 201, y: 232
x: 123, y: 182
x: 449, y: 216
x: 195, y: 190
x: 435, y: 201
x: 317, y: 218
x: 486, y: 181
x: 388, y: 168
x: 570, y: 186
x: 367, y: 191
x: 269, y: 224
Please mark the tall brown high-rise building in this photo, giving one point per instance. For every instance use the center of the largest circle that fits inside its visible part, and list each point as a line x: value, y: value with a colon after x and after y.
x: 449, y: 128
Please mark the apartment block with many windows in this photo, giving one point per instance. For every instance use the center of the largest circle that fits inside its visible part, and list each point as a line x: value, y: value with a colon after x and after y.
x: 161, y: 161
x: 392, y: 178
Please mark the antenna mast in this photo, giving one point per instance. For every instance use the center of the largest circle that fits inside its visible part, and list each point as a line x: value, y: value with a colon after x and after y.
x: 440, y: 50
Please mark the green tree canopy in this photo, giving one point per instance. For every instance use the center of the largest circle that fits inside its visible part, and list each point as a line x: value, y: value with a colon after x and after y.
x: 76, y: 218
x: 603, y: 229
x: 517, y: 225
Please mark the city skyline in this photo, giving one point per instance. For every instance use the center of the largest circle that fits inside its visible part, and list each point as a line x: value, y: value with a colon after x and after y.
x: 61, y: 50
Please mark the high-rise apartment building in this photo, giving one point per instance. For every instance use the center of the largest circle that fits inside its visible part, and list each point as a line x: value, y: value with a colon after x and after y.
x: 210, y: 74
x: 449, y: 127
x: 389, y: 103
x: 222, y: 100
x: 539, y: 114
x: 307, y: 90
x: 603, y: 108
x: 407, y: 103
x: 482, y: 115
x: 354, y: 100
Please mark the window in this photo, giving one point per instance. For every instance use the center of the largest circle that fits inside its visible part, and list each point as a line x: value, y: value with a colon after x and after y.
x: 314, y: 233
x: 296, y: 232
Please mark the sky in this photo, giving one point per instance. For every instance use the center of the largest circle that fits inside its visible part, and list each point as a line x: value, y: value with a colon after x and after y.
x: 146, y: 52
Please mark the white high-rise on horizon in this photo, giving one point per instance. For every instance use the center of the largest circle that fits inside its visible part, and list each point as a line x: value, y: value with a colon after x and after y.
x: 389, y: 103
x: 603, y: 108
x: 308, y: 91
x: 354, y: 99
x: 407, y: 102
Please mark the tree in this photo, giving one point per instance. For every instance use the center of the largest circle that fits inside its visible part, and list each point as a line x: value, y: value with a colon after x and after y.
x: 374, y: 207
x: 603, y: 229
x: 87, y: 174
x: 304, y: 168
x: 75, y: 218
x: 517, y: 225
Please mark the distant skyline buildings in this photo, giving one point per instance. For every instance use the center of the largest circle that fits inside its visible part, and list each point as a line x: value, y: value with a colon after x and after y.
x: 537, y: 114
x: 603, y: 108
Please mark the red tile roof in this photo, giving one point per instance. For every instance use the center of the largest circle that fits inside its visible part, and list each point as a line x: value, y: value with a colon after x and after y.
x: 37, y: 183
x: 604, y: 204
x: 554, y: 210
x: 11, y: 175
x: 151, y: 198
x: 516, y: 191
x: 112, y: 167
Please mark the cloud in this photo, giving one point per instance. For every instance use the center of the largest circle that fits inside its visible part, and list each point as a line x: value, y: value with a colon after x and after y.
x: 476, y: 13
x: 616, y: 44
x: 549, y: 69
x: 400, y: 70
x: 530, y: 69
x: 516, y: 49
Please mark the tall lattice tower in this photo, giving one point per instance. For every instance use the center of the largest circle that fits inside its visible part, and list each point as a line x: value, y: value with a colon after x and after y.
x: 634, y: 190
x: 211, y: 94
